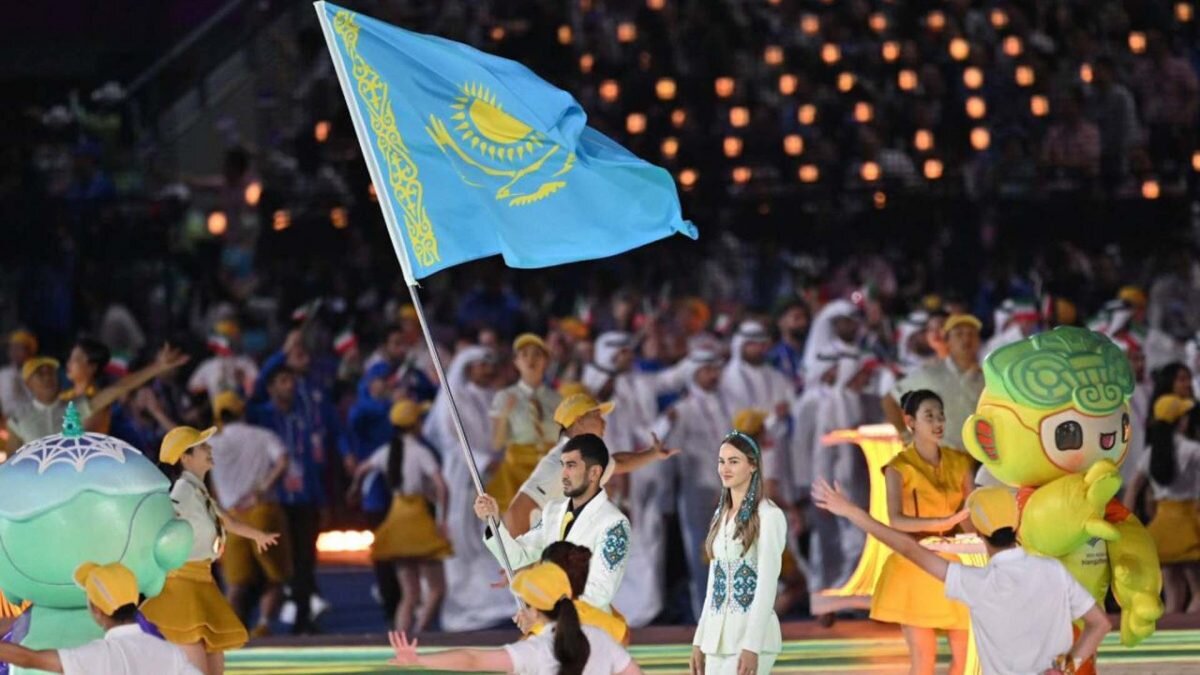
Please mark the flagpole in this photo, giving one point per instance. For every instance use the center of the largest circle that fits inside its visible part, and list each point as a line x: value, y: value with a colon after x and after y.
x: 379, y: 178
x: 461, y: 432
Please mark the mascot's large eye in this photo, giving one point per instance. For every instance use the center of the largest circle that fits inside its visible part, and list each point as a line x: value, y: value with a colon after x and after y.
x: 1126, y: 428
x: 1068, y: 436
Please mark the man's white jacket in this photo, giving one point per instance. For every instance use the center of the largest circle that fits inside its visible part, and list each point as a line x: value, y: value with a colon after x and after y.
x: 600, y: 526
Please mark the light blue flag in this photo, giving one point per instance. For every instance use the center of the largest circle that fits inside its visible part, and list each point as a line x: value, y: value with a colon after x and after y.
x: 473, y: 155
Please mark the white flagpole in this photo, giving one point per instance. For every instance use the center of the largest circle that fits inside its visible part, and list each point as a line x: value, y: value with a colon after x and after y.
x: 393, y: 228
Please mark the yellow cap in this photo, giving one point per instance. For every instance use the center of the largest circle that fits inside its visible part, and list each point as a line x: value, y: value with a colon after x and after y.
x: 573, y: 327
x: 570, y: 388
x: 407, y: 313
x: 228, y: 328
x: 1133, y: 295
x: 31, y: 365
x: 228, y: 401
x: 992, y: 508
x: 541, y: 586
x: 957, y: 320
x: 1169, y: 408
x: 179, y: 440
x: 109, y: 587
x: 749, y: 421
x: 577, y: 405
x: 529, y: 339
x: 405, y: 413
x: 24, y: 337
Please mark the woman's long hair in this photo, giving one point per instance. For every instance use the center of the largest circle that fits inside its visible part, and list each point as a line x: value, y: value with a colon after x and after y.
x: 571, y: 647
x: 1161, y: 439
x: 395, y: 458
x: 1164, y: 383
x: 747, y: 517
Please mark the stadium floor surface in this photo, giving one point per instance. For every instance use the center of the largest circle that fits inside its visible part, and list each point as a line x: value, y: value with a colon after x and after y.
x: 1168, y: 652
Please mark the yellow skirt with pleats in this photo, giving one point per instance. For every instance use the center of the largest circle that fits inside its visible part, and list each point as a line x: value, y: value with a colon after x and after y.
x: 409, y: 533
x: 907, y: 595
x: 1176, y: 531
x: 518, y: 464
x: 191, y: 609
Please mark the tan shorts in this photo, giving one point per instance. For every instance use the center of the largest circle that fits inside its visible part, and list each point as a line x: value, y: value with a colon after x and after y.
x: 243, y: 564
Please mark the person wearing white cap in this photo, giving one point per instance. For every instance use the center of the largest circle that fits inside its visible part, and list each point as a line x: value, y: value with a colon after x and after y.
x: 694, y: 423
x: 611, y: 376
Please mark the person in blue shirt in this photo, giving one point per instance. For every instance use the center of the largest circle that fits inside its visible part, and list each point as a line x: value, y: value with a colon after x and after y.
x: 308, y: 430
x: 788, y: 354
x: 368, y: 429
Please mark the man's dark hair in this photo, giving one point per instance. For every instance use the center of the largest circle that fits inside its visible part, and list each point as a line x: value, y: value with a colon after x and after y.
x: 591, y: 447
x: 276, y: 373
x: 1005, y: 537
x: 96, y: 352
x: 125, y: 614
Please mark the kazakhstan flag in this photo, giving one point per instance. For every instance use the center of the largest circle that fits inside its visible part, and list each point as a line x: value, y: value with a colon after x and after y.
x: 473, y: 155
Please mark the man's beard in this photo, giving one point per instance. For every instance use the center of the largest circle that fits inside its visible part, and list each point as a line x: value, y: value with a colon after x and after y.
x: 577, y: 492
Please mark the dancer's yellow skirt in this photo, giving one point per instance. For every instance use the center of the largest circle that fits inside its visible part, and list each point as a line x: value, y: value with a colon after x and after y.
x: 409, y: 533
x: 907, y: 595
x: 191, y: 609
x: 1176, y: 531
x: 518, y: 464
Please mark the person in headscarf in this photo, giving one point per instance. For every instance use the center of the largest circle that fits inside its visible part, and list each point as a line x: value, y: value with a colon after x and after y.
x: 749, y: 381
x: 912, y: 351
x: 471, y: 602
x: 1139, y: 406
x: 694, y: 423
x: 1013, y: 321
x: 611, y: 377
x: 836, y: 328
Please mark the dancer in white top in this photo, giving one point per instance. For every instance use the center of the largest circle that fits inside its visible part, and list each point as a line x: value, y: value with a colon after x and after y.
x: 739, y: 632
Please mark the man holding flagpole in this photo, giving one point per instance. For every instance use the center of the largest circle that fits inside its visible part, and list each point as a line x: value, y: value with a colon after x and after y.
x: 473, y: 155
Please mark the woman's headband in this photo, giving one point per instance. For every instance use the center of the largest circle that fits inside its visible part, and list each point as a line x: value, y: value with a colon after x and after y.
x: 757, y: 451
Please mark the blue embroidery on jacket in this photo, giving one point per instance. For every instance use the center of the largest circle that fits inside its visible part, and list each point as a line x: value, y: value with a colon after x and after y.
x: 745, y: 583
x: 720, y: 586
x: 616, y: 546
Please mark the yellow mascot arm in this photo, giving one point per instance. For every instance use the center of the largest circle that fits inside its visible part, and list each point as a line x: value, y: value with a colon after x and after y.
x: 1063, y: 514
x: 1136, y: 580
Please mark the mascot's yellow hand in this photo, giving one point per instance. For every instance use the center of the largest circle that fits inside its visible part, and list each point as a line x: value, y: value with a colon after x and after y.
x: 1136, y: 580
x: 1063, y: 514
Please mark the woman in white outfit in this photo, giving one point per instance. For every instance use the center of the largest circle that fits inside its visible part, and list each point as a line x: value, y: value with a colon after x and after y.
x: 739, y: 632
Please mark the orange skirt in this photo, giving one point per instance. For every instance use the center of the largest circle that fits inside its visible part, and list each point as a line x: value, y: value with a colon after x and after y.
x: 409, y: 533
x: 191, y: 609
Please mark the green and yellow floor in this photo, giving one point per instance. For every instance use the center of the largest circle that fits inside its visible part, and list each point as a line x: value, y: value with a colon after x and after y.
x: 1166, y: 653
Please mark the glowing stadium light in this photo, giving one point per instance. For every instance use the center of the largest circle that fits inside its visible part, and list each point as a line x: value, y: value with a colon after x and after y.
x: 973, y: 78
x: 656, y: 5
x: 807, y: 114
x: 626, y: 31
x: 788, y: 84
x: 1150, y: 189
x: 635, y: 123
x: 999, y: 18
x: 878, y: 22
x: 890, y: 51
x: 732, y: 146
x: 345, y: 541
x: 869, y: 171
x: 1085, y: 72
x: 610, y: 91
x: 586, y: 63
x: 1196, y: 161
x: 217, y: 223
x: 665, y: 89
x: 688, y: 178
x: 906, y: 79
x: 793, y: 144
x: 960, y: 49
x: 1039, y: 105
x: 845, y: 82
x: 976, y: 107
x: 809, y: 173
x: 863, y: 112
x: 1012, y: 46
x: 1137, y: 42
x: 923, y: 140
x: 321, y: 131
x: 1025, y: 76
x: 339, y: 217
x: 371, y: 194
x: 670, y: 147
x: 936, y: 20
x: 933, y: 168
x: 678, y: 118
x: 880, y: 199
x: 810, y: 24
x: 724, y: 87
x: 981, y: 138
x: 497, y: 34
x: 741, y: 174
x: 1183, y: 12
x: 739, y: 116
x: 252, y: 193
x: 831, y: 53
x: 773, y: 55
x: 565, y: 35
x: 281, y: 220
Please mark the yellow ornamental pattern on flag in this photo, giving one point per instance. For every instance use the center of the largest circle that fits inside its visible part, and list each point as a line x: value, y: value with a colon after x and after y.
x: 495, y: 150
x: 402, y: 170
